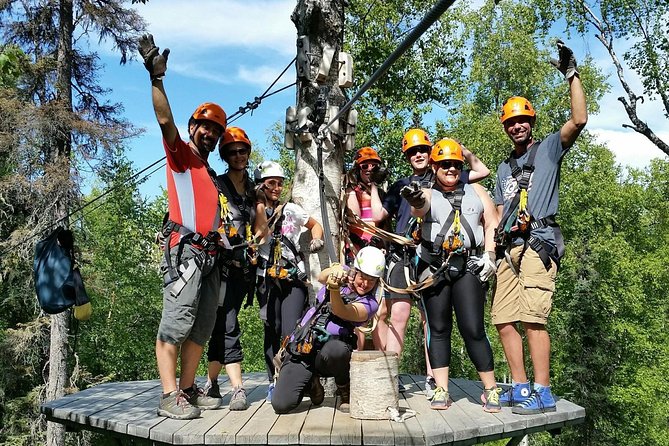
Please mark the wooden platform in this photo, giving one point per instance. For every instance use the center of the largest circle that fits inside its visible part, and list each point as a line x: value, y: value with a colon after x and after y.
x: 128, y: 409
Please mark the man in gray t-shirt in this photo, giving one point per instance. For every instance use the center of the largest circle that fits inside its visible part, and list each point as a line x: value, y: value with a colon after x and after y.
x: 526, y: 195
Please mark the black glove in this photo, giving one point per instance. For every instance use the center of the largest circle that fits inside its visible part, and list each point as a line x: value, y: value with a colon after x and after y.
x: 379, y: 175
x: 414, y: 195
x: 155, y: 63
x: 567, y: 64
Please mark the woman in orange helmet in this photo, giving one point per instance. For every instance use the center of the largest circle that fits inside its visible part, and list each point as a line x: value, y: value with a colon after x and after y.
x: 457, y: 251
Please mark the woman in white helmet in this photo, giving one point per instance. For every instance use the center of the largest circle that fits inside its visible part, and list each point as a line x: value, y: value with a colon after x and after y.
x: 282, y: 293
x: 322, y: 342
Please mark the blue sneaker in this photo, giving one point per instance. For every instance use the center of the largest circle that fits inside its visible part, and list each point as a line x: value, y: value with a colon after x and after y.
x: 270, y: 390
x: 540, y: 401
x: 515, y: 395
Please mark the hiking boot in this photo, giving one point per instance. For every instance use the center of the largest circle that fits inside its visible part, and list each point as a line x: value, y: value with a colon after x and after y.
x: 540, y: 401
x: 440, y: 400
x: 270, y: 390
x: 198, y: 398
x: 344, y: 392
x: 430, y: 385
x: 490, y: 399
x: 175, y: 405
x: 316, y: 390
x: 238, y: 400
x: 515, y: 394
x: 212, y: 390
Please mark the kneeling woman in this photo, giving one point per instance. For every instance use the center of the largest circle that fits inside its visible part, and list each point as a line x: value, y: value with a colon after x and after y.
x: 324, y: 339
x: 457, y: 251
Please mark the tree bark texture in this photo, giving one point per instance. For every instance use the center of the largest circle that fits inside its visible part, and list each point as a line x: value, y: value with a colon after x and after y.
x: 322, y: 21
x: 58, y: 346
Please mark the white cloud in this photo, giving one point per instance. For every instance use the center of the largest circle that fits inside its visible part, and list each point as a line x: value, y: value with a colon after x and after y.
x: 630, y: 148
x: 208, y: 24
x: 264, y: 75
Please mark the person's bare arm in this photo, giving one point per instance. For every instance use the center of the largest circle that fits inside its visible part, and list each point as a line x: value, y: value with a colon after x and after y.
x: 478, y: 170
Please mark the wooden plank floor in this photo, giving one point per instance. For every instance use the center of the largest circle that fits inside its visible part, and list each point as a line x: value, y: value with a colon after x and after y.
x: 128, y: 409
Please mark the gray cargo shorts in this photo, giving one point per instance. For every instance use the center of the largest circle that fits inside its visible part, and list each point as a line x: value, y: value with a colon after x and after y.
x: 190, y: 301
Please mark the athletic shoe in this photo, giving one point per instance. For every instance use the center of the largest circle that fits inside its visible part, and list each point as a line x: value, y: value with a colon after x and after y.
x: 270, y: 390
x: 238, y: 400
x: 540, y: 401
x: 430, y: 385
x: 490, y: 398
x: 175, y: 405
x: 198, y: 398
x: 515, y: 394
x: 440, y: 400
x: 316, y: 390
x: 212, y: 390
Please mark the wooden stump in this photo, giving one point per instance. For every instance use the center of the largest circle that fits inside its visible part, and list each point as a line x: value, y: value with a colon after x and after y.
x: 373, y: 384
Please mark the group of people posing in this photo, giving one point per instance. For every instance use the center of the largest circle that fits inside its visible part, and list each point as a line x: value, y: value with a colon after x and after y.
x: 230, y: 238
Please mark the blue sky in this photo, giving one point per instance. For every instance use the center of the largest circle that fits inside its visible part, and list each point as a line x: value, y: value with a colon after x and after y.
x: 230, y: 51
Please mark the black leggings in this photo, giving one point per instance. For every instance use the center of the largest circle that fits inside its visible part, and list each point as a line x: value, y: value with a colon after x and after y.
x: 285, y: 307
x: 333, y: 359
x: 467, y: 297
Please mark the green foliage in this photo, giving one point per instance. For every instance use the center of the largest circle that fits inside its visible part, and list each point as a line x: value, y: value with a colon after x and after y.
x: 122, y: 276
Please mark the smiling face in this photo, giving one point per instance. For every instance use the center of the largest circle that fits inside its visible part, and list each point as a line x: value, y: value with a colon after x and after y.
x: 237, y: 155
x: 418, y: 157
x: 205, y: 134
x: 363, y: 283
x: 447, y: 173
x: 273, y: 187
x: 366, y: 169
x: 519, y: 129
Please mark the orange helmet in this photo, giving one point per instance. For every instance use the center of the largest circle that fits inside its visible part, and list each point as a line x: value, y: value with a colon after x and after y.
x: 365, y: 154
x: 517, y: 106
x: 211, y: 112
x: 234, y: 134
x: 446, y: 149
x: 414, y: 138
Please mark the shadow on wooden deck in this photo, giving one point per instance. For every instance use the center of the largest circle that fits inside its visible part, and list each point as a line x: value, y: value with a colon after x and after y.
x: 128, y: 410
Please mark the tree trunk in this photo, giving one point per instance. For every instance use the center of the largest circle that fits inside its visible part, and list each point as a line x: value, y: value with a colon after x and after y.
x: 322, y: 21
x: 58, y: 370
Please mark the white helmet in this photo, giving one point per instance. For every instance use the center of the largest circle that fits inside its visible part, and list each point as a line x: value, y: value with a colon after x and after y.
x: 268, y: 169
x: 371, y: 261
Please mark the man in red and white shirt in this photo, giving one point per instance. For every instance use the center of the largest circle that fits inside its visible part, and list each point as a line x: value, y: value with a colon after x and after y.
x: 192, y: 281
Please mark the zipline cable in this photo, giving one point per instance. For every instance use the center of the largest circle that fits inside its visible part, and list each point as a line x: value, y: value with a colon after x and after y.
x: 429, y: 19
x: 242, y: 110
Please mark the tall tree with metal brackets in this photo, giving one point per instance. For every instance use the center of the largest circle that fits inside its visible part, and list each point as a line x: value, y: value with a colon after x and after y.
x: 319, y: 25
x: 76, y: 122
x: 639, y: 26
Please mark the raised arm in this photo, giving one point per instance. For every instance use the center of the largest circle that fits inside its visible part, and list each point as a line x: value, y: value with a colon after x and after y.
x: 478, y: 170
x: 156, y: 64
x: 566, y: 64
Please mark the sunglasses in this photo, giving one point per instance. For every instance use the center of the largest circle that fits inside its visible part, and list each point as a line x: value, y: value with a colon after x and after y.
x: 414, y: 150
x: 368, y: 166
x: 238, y: 152
x: 448, y: 164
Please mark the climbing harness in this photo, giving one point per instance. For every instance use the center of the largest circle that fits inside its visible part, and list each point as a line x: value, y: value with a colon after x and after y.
x: 518, y: 222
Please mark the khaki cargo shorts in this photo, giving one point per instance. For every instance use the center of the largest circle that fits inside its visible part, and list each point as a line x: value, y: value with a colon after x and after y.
x: 527, y: 297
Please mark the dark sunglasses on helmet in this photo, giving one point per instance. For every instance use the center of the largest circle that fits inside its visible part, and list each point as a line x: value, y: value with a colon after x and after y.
x: 448, y: 164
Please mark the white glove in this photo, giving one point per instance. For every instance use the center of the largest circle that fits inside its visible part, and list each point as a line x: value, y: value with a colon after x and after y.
x: 487, y: 265
x: 316, y: 245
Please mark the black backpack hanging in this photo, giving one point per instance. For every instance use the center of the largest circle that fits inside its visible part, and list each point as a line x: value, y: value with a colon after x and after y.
x: 58, y: 283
